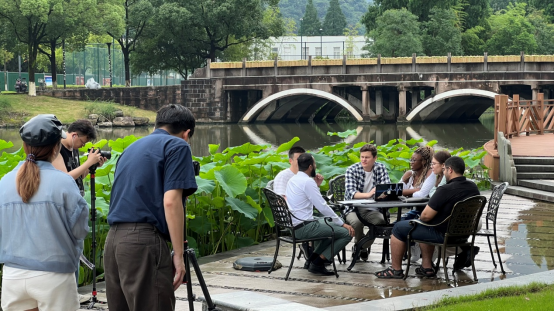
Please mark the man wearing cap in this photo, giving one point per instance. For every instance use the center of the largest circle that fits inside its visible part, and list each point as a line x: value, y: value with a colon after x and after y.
x: 153, y: 177
x: 43, y: 223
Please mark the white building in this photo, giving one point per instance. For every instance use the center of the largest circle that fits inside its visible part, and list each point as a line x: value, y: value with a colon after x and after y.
x: 333, y: 47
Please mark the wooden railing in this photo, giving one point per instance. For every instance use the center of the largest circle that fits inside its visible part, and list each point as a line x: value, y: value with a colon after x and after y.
x: 516, y: 117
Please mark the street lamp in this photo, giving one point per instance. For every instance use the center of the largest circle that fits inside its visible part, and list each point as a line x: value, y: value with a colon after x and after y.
x: 301, y: 48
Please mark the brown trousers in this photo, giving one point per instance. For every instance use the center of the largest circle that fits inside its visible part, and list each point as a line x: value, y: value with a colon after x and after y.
x: 138, y: 269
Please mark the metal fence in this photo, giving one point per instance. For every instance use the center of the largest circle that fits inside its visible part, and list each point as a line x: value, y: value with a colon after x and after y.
x: 93, y: 62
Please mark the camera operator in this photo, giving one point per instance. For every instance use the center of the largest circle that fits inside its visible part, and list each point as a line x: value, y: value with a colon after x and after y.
x: 78, y: 134
x: 153, y: 177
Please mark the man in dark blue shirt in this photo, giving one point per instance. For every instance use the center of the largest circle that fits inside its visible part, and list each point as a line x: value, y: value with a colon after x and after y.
x: 153, y: 177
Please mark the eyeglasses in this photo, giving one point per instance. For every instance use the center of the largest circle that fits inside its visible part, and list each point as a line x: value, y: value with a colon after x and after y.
x: 434, y: 163
x: 414, y: 160
x: 81, y: 140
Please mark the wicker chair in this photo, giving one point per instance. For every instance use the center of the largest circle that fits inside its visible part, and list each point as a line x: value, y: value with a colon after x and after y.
x: 462, y: 224
x: 492, y: 212
x: 285, y: 229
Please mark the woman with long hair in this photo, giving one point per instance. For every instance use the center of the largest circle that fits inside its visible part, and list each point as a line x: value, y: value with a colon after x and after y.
x: 437, y: 165
x: 43, y: 222
x: 420, y: 179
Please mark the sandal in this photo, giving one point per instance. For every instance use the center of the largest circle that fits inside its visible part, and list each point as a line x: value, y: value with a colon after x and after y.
x: 425, y: 272
x: 390, y: 273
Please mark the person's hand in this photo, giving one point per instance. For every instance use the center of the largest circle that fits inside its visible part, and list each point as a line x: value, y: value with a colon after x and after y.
x: 94, y: 158
x: 371, y: 193
x: 349, y: 228
x: 179, y: 266
x: 102, y: 161
x: 318, y: 179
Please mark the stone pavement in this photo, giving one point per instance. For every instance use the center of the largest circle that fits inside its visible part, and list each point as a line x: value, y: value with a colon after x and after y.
x: 526, y: 234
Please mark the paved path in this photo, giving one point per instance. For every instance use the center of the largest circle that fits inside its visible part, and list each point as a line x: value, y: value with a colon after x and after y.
x: 526, y: 231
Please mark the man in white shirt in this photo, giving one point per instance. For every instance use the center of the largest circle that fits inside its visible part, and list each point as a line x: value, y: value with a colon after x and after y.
x: 302, y: 195
x: 283, y: 177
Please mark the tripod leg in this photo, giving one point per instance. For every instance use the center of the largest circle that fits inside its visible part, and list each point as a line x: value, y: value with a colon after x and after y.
x: 192, y: 257
x: 190, y: 295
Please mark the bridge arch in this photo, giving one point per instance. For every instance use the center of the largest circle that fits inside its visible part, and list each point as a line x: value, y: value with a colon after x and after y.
x: 253, y: 112
x: 452, y: 105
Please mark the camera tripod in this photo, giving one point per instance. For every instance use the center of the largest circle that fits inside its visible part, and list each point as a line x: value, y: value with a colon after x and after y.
x: 92, y: 170
x: 190, y: 257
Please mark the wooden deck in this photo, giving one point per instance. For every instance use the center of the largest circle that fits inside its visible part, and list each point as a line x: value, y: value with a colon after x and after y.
x: 533, y: 145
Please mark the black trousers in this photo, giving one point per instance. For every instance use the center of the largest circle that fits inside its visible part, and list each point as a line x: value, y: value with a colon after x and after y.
x: 138, y: 269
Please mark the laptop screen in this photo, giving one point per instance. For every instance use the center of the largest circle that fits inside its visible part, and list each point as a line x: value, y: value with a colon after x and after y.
x: 386, y: 192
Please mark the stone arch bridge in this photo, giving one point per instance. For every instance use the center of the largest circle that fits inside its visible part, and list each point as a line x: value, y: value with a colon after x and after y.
x: 397, y: 89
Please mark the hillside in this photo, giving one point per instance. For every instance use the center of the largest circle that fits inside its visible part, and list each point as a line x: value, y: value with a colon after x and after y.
x: 352, y: 9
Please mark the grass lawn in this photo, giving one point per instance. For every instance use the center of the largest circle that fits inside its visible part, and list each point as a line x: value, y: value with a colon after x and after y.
x: 532, y: 297
x: 67, y: 111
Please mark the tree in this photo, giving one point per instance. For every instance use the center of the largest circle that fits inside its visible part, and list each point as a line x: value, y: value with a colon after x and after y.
x: 497, y: 5
x: 136, y: 16
x: 544, y: 32
x: 546, y: 5
x: 422, y: 8
x: 377, y: 8
x: 473, y: 42
x: 29, y: 20
x: 396, y: 34
x: 310, y: 26
x: 441, y: 34
x: 477, y: 11
x: 511, y: 32
x: 71, y: 22
x: 335, y: 22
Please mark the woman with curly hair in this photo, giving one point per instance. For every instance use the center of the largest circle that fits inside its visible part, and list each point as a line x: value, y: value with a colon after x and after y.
x: 419, y: 181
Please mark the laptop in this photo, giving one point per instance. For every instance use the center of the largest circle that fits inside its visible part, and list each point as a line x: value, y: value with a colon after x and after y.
x: 388, y: 192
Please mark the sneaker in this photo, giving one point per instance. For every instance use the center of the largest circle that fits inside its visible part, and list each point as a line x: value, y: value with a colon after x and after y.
x: 319, y: 269
x: 364, y: 254
x: 464, y: 258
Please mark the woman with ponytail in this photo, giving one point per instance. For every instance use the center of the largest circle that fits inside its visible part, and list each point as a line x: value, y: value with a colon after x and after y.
x: 43, y: 222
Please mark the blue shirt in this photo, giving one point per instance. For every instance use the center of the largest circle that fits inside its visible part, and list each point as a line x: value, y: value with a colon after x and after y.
x: 146, y: 170
x: 47, y: 233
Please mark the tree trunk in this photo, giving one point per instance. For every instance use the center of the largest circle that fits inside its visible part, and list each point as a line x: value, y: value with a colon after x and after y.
x: 33, y: 51
x: 126, y: 60
x: 53, y: 64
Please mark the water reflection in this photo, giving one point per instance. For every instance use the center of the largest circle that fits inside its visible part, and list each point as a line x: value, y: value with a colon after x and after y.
x: 312, y: 136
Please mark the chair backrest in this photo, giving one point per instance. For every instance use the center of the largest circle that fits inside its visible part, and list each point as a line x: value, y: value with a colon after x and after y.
x: 337, y: 188
x: 279, y: 209
x: 465, y: 216
x: 494, y: 201
x: 270, y: 185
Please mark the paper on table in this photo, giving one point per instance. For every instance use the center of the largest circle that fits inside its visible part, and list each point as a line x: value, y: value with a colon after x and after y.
x: 357, y: 201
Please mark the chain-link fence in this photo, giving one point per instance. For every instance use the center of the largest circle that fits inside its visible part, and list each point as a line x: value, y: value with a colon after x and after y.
x: 93, y: 62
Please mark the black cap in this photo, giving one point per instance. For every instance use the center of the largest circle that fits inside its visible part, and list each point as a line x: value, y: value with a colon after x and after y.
x: 42, y: 130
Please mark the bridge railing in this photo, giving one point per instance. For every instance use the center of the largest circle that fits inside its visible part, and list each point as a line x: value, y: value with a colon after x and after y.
x: 516, y: 117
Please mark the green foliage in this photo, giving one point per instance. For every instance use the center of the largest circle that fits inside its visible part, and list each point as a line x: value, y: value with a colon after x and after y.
x: 473, y: 42
x: 400, y: 25
x: 544, y: 32
x: 440, y: 33
x: 228, y: 210
x: 310, y: 25
x: 531, y: 297
x: 334, y: 22
x: 476, y: 11
x: 511, y: 32
x: 5, y: 109
x: 101, y: 108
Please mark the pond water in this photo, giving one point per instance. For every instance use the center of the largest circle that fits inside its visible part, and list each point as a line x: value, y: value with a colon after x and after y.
x: 312, y: 136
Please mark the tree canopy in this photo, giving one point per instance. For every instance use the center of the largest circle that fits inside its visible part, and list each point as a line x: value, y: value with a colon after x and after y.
x: 400, y: 25
x: 335, y: 22
x: 310, y: 24
x: 440, y: 33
